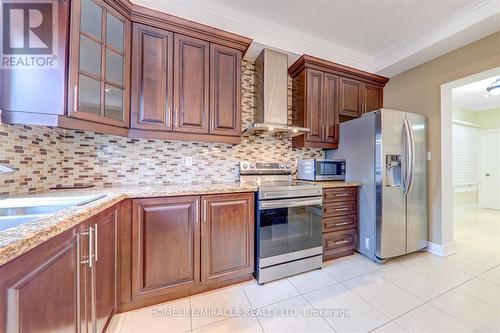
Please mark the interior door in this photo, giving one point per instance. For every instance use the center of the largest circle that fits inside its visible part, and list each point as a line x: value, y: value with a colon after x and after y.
x: 391, y: 222
x: 417, y: 212
x: 489, y: 196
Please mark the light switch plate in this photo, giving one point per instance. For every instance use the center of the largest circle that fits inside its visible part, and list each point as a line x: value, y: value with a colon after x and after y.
x: 189, y: 161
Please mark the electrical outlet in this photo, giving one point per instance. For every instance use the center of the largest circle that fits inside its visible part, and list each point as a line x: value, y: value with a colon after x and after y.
x: 189, y: 161
x: 367, y: 243
x: 429, y: 156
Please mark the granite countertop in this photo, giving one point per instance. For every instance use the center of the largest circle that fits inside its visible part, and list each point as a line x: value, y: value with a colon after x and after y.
x: 20, y: 239
x: 336, y: 183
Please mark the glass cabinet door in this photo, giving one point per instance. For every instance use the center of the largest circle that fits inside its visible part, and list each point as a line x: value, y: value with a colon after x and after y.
x: 99, y: 76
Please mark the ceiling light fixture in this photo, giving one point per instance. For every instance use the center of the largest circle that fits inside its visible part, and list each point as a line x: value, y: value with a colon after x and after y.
x: 494, y: 88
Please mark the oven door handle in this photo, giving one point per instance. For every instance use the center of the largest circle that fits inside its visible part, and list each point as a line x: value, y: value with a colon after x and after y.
x: 297, y: 202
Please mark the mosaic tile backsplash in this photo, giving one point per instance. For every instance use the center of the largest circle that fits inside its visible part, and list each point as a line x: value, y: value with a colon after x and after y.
x: 47, y: 157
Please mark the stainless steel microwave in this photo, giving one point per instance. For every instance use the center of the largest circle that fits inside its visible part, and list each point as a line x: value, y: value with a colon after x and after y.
x: 321, y: 169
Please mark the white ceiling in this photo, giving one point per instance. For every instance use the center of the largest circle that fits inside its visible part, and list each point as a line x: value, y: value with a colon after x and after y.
x: 472, y: 96
x: 380, y: 36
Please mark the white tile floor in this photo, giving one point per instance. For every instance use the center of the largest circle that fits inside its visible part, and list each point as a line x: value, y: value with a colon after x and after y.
x: 415, y: 293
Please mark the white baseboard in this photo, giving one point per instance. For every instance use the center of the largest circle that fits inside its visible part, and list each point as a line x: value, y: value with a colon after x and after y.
x: 442, y: 250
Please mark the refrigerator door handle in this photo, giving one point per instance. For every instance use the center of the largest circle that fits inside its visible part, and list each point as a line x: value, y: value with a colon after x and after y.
x: 405, y: 170
x: 412, y: 157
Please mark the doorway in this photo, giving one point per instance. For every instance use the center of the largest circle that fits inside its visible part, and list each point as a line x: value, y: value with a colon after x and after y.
x: 476, y: 162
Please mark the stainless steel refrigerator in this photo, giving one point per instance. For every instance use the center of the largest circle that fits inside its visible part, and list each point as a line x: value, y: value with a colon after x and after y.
x: 386, y: 151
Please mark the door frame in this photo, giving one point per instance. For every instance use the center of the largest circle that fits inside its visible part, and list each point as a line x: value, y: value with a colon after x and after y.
x: 447, y: 244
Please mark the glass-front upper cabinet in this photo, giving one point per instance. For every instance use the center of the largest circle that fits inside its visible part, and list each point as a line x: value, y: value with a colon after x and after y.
x: 99, y: 64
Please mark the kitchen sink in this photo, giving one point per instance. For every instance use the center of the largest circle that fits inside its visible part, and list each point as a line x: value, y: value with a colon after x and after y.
x: 19, y: 210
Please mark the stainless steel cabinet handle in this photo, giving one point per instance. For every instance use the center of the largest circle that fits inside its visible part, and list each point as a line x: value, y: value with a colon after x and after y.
x: 90, y: 245
x: 75, y: 98
x: 196, y: 212
x: 342, y: 223
x: 487, y: 174
x: 204, y: 211
x: 341, y: 209
x: 342, y: 195
x: 95, y: 242
x: 341, y: 242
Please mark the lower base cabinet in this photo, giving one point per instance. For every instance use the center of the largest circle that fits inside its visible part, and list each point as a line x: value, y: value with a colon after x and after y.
x: 67, y: 284
x: 181, y: 245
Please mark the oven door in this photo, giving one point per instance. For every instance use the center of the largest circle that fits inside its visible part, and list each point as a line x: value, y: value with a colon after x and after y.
x: 288, y: 229
x: 330, y: 170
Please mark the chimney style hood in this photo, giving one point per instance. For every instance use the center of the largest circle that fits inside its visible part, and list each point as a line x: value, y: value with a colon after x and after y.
x: 271, y: 97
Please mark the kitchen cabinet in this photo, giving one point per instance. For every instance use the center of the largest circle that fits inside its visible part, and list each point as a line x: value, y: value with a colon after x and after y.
x: 340, y: 220
x: 186, y: 245
x: 99, y: 64
x: 325, y: 94
x: 191, y: 89
x: 225, y: 90
x: 165, y: 245
x: 152, y: 78
x: 67, y: 284
x: 314, y: 105
x: 227, y: 242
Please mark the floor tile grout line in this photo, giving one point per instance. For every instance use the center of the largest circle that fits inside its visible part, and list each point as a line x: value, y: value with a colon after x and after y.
x: 248, y: 298
x: 433, y: 258
x: 324, y: 319
x: 392, y: 321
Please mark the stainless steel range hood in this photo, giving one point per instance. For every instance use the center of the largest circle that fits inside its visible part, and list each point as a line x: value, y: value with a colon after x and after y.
x: 271, y: 97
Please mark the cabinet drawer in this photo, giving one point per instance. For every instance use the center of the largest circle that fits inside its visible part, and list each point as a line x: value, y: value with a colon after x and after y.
x: 339, y: 223
x: 339, y: 194
x: 339, y: 243
x: 339, y: 208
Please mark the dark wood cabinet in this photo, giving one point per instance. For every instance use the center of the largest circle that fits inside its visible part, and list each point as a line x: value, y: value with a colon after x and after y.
x: 67, y: 284
x: 225, y: 90
x: 315, y: 105
x: 152, y: 78
x: 340, y: 222
x: 191, y: 89
x: 104, y: 271
x: 165, y: 246
x: 99, y: 55
x: 373, y: 97
x: 40, y: 291
x: 186, y: 245
x: 227, y: 242
x: 325, y: 94
x: 351, y: 98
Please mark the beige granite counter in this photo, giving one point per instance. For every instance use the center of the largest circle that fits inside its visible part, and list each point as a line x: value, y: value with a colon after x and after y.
x: 18, y: 240
x: 336, y: 183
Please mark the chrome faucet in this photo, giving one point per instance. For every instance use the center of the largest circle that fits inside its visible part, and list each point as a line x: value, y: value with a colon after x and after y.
x: 6, y: 169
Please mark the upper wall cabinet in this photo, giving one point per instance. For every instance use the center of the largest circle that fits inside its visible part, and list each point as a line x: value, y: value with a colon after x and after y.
x: 152, y: 78
x: 326, y: 93
x: 99, y: 64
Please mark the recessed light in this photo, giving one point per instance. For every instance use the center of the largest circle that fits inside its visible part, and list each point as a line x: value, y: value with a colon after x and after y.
x: 486, y: 95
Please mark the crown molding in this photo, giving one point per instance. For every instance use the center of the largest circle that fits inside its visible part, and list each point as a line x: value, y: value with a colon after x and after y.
x: 411, y: 52
x: 473, y: 14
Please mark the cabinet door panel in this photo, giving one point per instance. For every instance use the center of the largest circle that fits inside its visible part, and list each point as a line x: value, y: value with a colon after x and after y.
x: 314, y: 100
x: 165, y: 245
x: 351, y: 98
x: 191, y: 84
x: 152, y: 76
x: 227, y: 236
x: 40, y: 290
x: 225, y: 90
x: 105, y: 266
x: 330, y: 115
x: 373, y: 97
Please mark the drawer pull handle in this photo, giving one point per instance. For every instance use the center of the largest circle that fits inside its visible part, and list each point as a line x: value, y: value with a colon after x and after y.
x: 342, y: 223
x: 341, y: 209
x: 342, y: 195
x: 341, y: 242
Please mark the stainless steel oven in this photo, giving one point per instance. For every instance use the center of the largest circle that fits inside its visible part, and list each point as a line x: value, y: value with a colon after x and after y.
x: 314, y: 169
x: 288, y: 222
